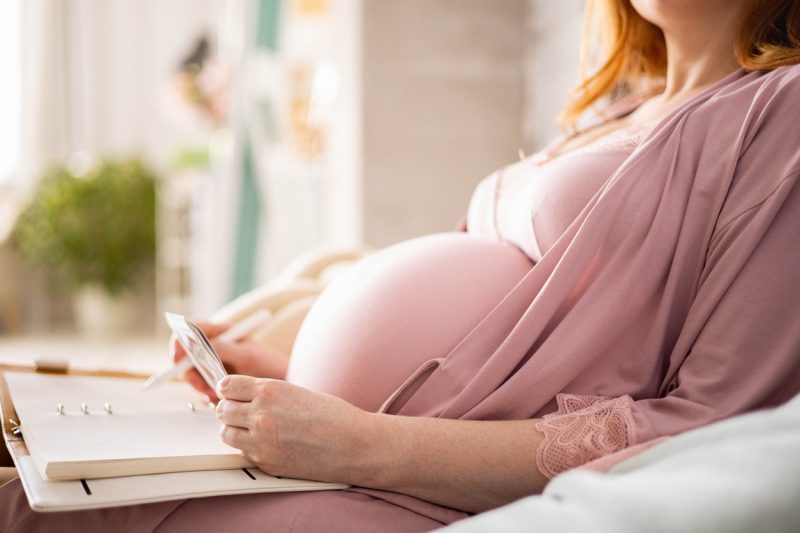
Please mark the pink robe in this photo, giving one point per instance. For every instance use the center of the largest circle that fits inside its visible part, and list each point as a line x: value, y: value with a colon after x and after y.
x: 671, y: 301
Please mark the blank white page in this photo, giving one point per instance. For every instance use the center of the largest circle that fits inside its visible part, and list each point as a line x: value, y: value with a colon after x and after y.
x: 147, y: 432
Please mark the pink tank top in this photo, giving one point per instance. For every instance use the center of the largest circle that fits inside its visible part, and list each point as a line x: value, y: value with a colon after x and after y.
x: 530, y: 203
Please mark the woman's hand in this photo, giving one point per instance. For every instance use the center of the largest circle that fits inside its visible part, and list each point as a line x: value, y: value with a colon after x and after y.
x: 290, y: 431
x: 472, y: 465
x: 240, y: 357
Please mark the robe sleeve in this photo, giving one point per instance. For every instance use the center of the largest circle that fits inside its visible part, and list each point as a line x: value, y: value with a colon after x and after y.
x: 739, y: 347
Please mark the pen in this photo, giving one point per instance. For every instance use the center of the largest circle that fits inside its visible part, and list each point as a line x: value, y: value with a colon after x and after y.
x: 236, y: 332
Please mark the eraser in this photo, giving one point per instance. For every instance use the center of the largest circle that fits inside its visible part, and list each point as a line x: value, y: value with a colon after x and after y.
x: 56, y: 365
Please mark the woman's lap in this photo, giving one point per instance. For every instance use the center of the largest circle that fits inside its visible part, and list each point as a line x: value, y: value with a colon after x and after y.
x: 328, y: 511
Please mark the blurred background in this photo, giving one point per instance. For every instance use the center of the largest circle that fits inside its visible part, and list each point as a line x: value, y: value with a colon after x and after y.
x: 172, y: 155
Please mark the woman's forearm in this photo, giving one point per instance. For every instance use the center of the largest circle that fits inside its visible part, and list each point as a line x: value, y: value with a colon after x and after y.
x: 467, y: 465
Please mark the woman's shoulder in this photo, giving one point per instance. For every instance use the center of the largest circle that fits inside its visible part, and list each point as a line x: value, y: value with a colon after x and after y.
x: 782, y: 82
x: 753, y: 106
x: 773, y: 108
x: 788, y: 73
x: 776, y: 88
x: 768, y: 138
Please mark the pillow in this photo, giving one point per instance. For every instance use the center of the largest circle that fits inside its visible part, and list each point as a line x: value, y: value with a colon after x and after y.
x: 738, y: 475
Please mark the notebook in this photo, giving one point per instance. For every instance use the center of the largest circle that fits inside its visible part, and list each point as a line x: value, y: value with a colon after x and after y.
x: 151, y: 447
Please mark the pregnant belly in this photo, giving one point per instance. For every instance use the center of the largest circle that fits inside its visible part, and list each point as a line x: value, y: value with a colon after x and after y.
x: 390, y: 312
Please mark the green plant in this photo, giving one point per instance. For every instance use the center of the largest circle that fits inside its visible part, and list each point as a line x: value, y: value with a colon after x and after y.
x: 95, y: 229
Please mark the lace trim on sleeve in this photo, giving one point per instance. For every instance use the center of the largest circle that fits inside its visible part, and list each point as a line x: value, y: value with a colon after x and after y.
x: 583, y: 429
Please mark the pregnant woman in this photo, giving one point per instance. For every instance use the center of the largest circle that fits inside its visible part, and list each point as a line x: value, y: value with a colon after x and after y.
x: 637, y: 278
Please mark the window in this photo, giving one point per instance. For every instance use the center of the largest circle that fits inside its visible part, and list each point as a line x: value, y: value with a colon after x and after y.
x: 10, y: 86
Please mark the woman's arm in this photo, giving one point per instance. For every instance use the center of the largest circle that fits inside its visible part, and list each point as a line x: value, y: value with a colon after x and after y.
x: 465, y: 464
x: 294, y: 432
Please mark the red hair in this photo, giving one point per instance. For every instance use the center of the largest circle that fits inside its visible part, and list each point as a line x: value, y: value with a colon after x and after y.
x: 635, y: 52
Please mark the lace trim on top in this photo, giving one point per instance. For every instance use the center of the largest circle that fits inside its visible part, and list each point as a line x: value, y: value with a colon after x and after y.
x: 583, y: 429
x: 627, y: 138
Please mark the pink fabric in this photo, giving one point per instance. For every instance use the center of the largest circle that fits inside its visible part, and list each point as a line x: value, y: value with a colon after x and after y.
x: 606, y: 462
x: 329, y: 512
x: 583, y: 429
x: 675, y: 290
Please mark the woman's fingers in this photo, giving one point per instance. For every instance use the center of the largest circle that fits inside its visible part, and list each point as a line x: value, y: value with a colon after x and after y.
x: 236, y: 387
x: 194, y: 379
x: 236, y: 437
x: 233, y: 413
x: 209, y: 329
x: 175, y: 350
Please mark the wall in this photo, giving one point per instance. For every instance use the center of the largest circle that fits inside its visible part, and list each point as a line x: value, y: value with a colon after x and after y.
x: 442, y: 108
x: 552, y: 57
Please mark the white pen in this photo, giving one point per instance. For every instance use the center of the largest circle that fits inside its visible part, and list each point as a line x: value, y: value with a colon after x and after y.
x: 236, y: 332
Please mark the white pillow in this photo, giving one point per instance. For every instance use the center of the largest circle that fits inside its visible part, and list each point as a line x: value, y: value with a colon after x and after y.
x: 737, y: 475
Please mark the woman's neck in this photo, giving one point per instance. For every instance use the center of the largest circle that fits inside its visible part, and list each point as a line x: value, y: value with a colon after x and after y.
x: 698, y: 58
x: 698, y: 55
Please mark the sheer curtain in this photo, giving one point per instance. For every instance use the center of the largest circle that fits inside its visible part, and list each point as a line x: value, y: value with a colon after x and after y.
x: 44, y: 104
x: 93, y: 74
x: 10, y: 90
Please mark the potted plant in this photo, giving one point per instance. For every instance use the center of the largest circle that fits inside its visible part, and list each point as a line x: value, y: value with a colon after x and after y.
x: 95, y: 234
